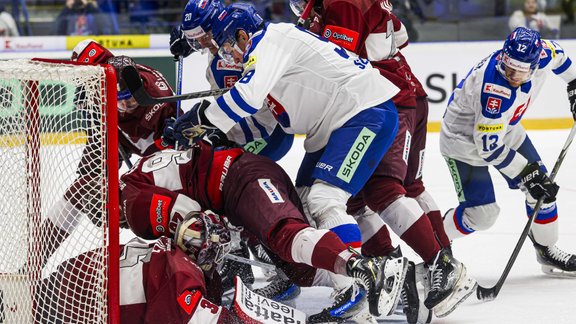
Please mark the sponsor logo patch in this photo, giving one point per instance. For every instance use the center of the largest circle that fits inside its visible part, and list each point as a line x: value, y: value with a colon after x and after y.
x: 497, y: 90
x: 159, y: 214
x: 251, y: 61
x: 255, y: 147
x: 407, y: 144
x: 490, y: 128
x: 354, y: 156
x: 493, y: 105
x: 230, y: 80
x: 222, y: 65
x: 271, y: 191
x: 344, y: 37
x: 519, y: 112
x: 188, y: 300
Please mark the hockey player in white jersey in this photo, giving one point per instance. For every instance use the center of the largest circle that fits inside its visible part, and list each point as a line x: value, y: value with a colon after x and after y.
x: 313, y: 87
x: 481, y: 128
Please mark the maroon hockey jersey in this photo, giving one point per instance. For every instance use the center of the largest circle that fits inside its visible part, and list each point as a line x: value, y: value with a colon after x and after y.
x: 369, y: 29
x: 152, y: 189
x: 141, y: 129
x: 159, y: 283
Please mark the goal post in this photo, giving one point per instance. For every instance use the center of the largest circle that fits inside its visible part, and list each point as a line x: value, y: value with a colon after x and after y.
x: 59, y: 232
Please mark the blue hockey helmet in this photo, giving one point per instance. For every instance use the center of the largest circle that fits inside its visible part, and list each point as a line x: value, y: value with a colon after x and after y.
x: 235, y: 17
x: 197, y: 17
x: 520, y: 55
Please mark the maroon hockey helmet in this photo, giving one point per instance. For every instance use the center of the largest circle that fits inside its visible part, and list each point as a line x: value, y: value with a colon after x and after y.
x: 205, y: 237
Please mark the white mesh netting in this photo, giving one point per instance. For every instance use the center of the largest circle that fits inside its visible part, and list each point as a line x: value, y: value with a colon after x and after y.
x: 54, y: 239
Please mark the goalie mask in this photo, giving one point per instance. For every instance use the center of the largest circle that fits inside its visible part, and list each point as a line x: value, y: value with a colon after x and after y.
x: 520, y: 56
x: 90, y: 51
x: 205, y: 237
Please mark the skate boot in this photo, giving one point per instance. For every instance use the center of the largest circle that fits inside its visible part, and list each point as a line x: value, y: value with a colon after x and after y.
x: 349, y: 304
x: 413, y: 308
x: 449, y: 284
x: 230, y: 269
x: 261, y: 255
x: 382, y: 278
x: 279, y: 289
x: 554, y: 261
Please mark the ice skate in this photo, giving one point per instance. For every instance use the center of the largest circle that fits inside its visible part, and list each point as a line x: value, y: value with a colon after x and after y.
x: 230, y: 269
x: 413, y: 307
x: 261, y: 255
x: 350, y: 304
x: 449, y: 284
x: 554, y: 261
x: 279, y: 289
x: 382, y: 278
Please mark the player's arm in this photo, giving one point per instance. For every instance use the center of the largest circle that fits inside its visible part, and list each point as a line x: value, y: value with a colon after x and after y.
x: 152, y: 211
x: 563, y: 67
x: 264, y: 66
x: 400, y: 32
x: 489, y: 132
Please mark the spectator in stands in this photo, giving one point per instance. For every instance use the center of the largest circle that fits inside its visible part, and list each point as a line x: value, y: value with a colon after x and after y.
x: 82, y: 17
x: 7, y: 23
x: 531, y: 17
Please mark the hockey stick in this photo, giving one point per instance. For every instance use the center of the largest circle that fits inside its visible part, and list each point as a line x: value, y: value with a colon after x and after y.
x: 488, y: 294
x: 259, y: 264
x: 124, y: 156
x: 134, y: 83
x: 180, y: 66
x: 305, y: 13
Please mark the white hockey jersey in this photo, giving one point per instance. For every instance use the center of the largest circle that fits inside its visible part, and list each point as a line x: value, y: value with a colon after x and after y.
x: 311, y: 86
x: 481, y: 123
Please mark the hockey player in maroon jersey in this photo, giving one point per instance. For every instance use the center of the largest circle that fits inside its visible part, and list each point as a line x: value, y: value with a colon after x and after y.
x: 396, y: 190
x: 255, y: 193
x: 140, y: 130
x: 168, y: 281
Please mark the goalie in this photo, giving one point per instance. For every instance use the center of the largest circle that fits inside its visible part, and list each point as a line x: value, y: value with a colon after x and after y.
x: 139, y: 127
x: 176, y: 283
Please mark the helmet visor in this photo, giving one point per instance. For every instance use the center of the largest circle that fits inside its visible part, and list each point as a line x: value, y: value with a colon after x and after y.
x: 226, y: 51
x: 515, y: 71
x: 297, y: 7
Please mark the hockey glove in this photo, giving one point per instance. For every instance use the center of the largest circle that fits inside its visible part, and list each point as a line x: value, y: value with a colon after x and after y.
x: 193, y: 127
x: 179, y: 45
x: 534, y: 180
x: 572, y: 97
x: 168, y: 133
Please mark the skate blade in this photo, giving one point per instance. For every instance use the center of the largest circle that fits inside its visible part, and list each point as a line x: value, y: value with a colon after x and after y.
x: 464, y: 288
x: 558, y: 273
x: 389, y: 300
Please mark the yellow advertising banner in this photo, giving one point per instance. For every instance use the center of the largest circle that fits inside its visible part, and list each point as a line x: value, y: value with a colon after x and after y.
x: 112, y: 41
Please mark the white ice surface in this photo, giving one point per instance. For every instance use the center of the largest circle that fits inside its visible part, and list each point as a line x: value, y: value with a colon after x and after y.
x: 528, y: 296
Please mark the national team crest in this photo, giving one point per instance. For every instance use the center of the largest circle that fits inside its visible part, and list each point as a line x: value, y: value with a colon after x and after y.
x: 493, y: 105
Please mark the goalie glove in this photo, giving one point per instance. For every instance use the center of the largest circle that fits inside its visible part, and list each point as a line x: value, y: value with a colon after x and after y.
x: 179, y: 45
x: 193, y: 127
x: 572, y: 97
x: 534, y: 180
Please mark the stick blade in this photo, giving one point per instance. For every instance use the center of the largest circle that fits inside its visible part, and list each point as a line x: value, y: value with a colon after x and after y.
x: 132, y: 79
x: 486, y: 294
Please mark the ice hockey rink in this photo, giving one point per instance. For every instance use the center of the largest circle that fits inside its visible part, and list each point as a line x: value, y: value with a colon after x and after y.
x: 528, y: 296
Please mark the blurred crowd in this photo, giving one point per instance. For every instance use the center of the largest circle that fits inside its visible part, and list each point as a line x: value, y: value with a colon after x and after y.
x: 425, y: 20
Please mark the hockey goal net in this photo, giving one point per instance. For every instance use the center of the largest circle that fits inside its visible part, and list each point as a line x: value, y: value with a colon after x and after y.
x: 58, y: 193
